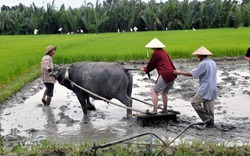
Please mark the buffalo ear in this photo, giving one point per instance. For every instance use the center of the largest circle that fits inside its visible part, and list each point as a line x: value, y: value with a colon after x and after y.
x: 56, y: 66
x: 55, y: 70
x: 53, y: 73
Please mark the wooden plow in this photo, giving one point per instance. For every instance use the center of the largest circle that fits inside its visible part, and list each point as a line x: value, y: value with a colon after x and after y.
x: 148, y: 119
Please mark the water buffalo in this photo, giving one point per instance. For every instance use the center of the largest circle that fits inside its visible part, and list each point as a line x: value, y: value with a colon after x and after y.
x: 108, y: 80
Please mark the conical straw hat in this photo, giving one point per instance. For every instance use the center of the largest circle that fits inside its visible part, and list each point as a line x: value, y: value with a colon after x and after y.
x: 202, y: 51
x: 49, y: 48
x: 155, y: 43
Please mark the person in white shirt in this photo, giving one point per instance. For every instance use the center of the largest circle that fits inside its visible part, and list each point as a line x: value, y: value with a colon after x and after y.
x: 206, y: 71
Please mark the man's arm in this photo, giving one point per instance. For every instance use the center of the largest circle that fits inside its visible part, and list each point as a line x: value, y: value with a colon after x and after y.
x: 247, y: 58
x: 176, y: 72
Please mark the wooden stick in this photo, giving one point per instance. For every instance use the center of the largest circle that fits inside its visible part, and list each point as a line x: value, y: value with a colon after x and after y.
x: 104, y: 99
x: 145, y: 102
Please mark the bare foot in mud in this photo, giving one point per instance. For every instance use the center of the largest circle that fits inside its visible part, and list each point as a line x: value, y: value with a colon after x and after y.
x: 44, y: 101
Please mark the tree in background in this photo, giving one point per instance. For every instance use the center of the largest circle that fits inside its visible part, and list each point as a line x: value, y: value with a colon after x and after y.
x: 114, y: 15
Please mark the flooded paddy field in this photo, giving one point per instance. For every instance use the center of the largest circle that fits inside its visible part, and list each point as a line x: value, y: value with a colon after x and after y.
x: 23, y: 118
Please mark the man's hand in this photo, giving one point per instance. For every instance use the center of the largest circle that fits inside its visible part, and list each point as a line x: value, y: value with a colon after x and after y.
x: 176, y: 72
x: 143, y: 69
x: 49, y: 70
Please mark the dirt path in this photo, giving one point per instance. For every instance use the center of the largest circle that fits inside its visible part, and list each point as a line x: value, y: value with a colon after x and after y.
x: 25, y: 119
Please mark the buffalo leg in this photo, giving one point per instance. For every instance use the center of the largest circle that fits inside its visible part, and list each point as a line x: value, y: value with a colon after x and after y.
x: 129, y: 111
x: 90, y: 106
x: 128, y: 102
x: 82, y: 101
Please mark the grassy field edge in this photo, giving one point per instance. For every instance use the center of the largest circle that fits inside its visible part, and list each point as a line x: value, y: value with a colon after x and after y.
x: 14, y: 85
x: 196, y: 148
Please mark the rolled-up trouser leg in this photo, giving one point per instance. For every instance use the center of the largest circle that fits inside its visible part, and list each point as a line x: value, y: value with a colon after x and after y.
x: 205, y: 112
x: 209, y: 107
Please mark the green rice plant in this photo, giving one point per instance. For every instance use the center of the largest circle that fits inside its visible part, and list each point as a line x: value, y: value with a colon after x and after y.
x: 22, y: 54
x: 17, y: 148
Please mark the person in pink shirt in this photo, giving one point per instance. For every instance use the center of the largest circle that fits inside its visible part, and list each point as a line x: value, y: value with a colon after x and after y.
x: 46, y: 67
x: 160, y: 61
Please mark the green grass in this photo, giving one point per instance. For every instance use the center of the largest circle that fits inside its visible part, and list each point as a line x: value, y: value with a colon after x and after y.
x: 184, y: 149
x: 21, y: 55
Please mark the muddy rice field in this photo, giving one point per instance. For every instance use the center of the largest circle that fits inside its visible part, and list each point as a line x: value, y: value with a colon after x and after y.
x: 23, y: 118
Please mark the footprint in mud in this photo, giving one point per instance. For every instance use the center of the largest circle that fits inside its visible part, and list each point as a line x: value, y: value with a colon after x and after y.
x: 63, y: 108
x: 65, y: 119
x: 94, y: 115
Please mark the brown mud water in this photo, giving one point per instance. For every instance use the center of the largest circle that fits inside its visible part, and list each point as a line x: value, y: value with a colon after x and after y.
x: 25, y: 119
